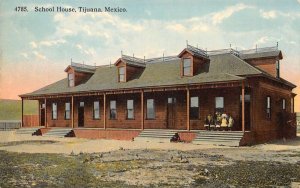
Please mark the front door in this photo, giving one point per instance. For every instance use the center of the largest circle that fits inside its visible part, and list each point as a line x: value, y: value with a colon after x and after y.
x: 42, y: 114
x: 171, y: 113
x: 81, y: 114
x: 247, y: 112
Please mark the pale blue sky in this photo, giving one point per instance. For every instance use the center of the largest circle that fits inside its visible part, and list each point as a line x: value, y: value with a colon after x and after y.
x: 148, y: 28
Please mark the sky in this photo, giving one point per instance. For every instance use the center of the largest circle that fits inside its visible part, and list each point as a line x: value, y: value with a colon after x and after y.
x: 36, y: 47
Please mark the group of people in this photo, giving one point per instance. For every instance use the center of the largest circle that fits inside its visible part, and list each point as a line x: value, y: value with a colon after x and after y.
x: 218, y: 121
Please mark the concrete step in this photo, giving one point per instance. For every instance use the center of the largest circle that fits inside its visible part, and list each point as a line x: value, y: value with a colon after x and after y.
x: 216, y: 138
x: 58, y: 132
x: 224, y: 143
x: 227, y: 138
x: 156, y: 135
x: 27, y: 130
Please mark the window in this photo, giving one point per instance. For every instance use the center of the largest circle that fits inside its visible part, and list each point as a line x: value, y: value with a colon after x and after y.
x: 71, y: 79
x: 187, y: 67
x: 54, y: 111
x: 219, y: 104
x: 96, y: 110
x: 81, y: 104
x: 194, y: 108
x: 113, y: 110
x: 122, y: 74
x: 277, y: 69
x: 43, y: 105
x: 150, y: 109
x: 269, y: 107
x: 130, y: 109
x: 67, y: 110
x: 283, y: 104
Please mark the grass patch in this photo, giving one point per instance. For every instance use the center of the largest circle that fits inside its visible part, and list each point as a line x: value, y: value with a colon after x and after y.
x: 48, y: 170
x: 12, y: 109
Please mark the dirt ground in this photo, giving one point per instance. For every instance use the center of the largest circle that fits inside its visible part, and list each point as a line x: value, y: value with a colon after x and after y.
x: 35, y: 161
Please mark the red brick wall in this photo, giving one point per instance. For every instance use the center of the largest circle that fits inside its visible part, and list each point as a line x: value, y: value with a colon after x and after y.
x: 121, y: 121
x: 89, y: 120
x: 31, y: 120
x: 60, y: 122
x: 207, y: 105
x: 266, y: 64
x: 267, y: 129
x: 187, y: 136
x: 107, y: 134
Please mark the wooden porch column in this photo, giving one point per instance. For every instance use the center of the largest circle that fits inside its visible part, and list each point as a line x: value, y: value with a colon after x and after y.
x: 22, y: 123
x: 243, y: 106
x: 142, y: 109
x: 188, y: 109
x: 72, y: 113
x: 104, y: 111
x: 46, y: 124
x: 39, y: 108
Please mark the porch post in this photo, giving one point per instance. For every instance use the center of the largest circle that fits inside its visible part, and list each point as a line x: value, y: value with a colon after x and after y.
x: 243, y: 106
x: 187, y: 109
x: 39, y: 108
x: 72, y: 113
x: 22, y: 123
x: 142, y: 109
x: 104, y: 110
x: 46, y: 124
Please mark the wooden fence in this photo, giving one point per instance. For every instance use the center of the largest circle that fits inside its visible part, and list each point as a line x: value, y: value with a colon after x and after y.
x: 10, y: 124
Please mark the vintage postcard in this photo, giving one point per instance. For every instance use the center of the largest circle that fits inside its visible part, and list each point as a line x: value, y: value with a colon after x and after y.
x: 139, y: 93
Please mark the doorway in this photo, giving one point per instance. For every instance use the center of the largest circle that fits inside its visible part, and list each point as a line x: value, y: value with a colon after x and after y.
x: 247, y: 112
x: 81, y: 114
x: 171, y: 113
x: 42, y: 114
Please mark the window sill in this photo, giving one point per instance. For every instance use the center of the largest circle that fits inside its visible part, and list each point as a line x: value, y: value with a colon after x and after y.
x: 130, y: 119
x: 150, y: 119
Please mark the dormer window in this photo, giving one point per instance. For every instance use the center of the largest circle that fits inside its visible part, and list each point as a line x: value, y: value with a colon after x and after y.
x: 187, y: 67
x: 71, y: 79
x: 121, y: 74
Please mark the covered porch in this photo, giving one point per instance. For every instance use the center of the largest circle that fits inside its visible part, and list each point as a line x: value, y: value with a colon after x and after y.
x: 178, y: 108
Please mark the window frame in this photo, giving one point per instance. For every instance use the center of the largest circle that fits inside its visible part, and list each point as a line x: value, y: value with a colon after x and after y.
x: 96, y: 110
x: 277, y: 69
x: 52, y: 111
x: 217, y: 109
x: 112, y: 110
x: 194, y: 109
x: 283, y: 104
x: 147, y: 110
x: 73, y: 80
x: 268, y: 107
x: 128, y: 109
x: 124, y: 74
x: 67, y: 111
x: 184, y: 67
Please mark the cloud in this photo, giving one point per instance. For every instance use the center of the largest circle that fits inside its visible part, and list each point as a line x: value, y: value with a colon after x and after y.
x: 48, y: 43
x: 39, y: 56
x: 25, y: 55
x: 87, y: 51
x: 33, y: 44
x: 176, y: 27
x: 218, y: 17
x: 273, y: 14
x: 268, y: 14
x: 298, y: 1
x: 52, y: 42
